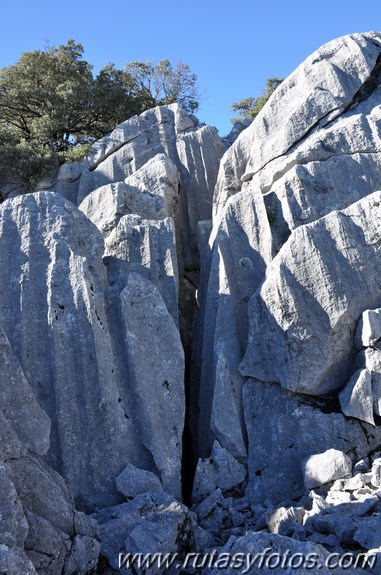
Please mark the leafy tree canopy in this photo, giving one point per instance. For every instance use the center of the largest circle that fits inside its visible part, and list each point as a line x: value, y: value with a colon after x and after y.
x: 249, y: 108
x: 52, y: 106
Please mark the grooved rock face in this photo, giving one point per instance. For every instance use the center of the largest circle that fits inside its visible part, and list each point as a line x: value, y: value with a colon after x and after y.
x: 304, y: 317
x: 283, y: 430
x: 314, y: 148
x: 149, y: 248
x: 53, y: 282
x: 334, y: 79
x: 158, y: 152
x: 56, y: 317
x: 151, y: 192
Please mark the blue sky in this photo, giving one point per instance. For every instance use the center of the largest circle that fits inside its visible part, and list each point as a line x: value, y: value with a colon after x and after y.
x: 232, y: 46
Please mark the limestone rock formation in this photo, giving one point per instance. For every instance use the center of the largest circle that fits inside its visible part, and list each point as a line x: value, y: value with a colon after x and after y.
x: 151, y: 192
x: 148, y: 153
x: 173, y: 326
x: 303, y: 318
x: 71, y: 361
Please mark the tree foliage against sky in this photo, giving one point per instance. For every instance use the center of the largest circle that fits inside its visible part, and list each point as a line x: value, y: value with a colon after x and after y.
x: 51, y: 104
x: 249, y: 108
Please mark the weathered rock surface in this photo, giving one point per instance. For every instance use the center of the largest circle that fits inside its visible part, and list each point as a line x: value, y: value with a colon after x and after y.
x: 51, y: 253
x: 155, y: 364
x: 369, y: 359
x: 276, y: 451
x: 356, y: 399
x: 319, y: 125
x: 149, y: 248
x: 329, y: 84
x: 240, y: 252
x: 303, y: 318
x: 150, y: 523
x: 18, y: 403
x: 151, y: 192
x: 133, y: 481
x: 148, y: 153
x: 321, y: 468
x: 369, y: 328
x: 220, y: 470
x: 96, y: 302
x: 39, y: 525
x: 272, y: 554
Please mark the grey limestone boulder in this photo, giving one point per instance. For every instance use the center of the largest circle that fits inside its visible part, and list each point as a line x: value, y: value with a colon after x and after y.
x: 282, y: 433
x: 356, y: 399
x: 51, y: 255
x: 303, y: 318
x: 150, y: 523
x: 376, y: 473
x: 39, y: 523
x: 13, y: 523
x: 284, y: 520
x: 369, y: 328
x: 18, y: 403
x: 321, y: 468
x: 332, y: 81
x: 369, y: 359
x: 275, y: 554
x: 15, y: 562
x: 292, y: 163
x: 133, y: 481
x: 239, y: 254
x: 155, y: 363
x: 147, y: 247
x: 220, y: 470
x: 151, y: 192
x: 75, y: 363
x: 127, y: 157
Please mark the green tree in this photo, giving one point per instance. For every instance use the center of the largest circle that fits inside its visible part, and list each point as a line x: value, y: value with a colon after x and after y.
x: 46, y: 97
x: 249, y: 108
x: 52, y: 107
x: 162, y: 84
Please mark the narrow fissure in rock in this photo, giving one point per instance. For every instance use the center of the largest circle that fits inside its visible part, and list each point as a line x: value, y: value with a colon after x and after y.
x: 188, y: 308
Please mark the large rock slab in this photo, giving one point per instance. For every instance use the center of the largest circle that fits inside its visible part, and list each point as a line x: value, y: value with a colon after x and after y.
x: 319, y: 126
x: 321, y: 468
x: 282, y: 433
x: 19, y: 404
x: 369, y: 358
x: 235, y: 266
x: 51, y: 256
x: 155, y: 362
x: 13, y: 524
x: 152, y: 523
x: 275, y: 554
x: 330, y: 82
x: 356, y: 399
x: 149, y: 248
x: 303, y: 319
x: 14, y: 562
x: 128, y: 155
x: 151, y: 192
x: 39, y: 524
x: 220, y: 470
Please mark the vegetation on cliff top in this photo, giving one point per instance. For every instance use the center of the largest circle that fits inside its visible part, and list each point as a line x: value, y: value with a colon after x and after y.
x: 52, y: 106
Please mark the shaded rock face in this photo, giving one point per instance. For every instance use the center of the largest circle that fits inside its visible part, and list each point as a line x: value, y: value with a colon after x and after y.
x: 298, y: 185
